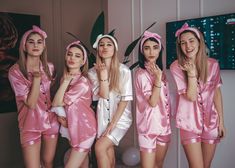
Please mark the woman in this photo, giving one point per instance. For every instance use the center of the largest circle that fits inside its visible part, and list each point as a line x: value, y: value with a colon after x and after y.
x: 200, y: 108
x: 31, y: 79
x: 75, y: 95
x: 112, y: 87
x: 152, y: 103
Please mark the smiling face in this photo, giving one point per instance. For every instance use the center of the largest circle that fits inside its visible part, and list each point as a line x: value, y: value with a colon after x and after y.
x: 74, y: 59
x: 189, y: 45
x: 151, y: 50
x: 106, y: 48
x: 34, y: 45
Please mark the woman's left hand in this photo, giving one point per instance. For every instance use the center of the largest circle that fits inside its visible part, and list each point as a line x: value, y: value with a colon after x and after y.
x: 222, y: 131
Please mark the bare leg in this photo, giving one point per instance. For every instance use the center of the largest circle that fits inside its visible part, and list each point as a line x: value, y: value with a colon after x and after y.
x: 208, y: 151
x: 160, y: 155
x: 147, y: 159
x: 76, y: 159
x: 104, y: 158
x: 111, y: 155
x: 32, y: 155
x: 48, y: 151
x: 194, y: 156
x: 85, y: 163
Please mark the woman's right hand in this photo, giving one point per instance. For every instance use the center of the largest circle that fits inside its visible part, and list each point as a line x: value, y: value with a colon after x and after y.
x: 62, y: 121
x: 102, y: 70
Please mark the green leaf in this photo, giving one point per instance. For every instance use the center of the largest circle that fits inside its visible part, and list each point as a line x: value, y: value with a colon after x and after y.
x: 98, y: 28
x: 150, y: 26
x: 134, y: 65
x: 112, y: 32
x: 131, y: 47
x: 91, y: 60
x: 74, y: 36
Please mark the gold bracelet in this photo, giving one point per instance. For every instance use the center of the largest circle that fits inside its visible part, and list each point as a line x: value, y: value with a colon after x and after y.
x: 157, y: 86
x: 103, y: 80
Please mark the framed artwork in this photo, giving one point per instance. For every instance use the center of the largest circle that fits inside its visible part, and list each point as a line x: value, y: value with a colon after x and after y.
x: 12, y: 27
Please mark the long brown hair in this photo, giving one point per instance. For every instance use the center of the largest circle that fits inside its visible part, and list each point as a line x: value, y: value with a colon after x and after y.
x: 201, y: 57
x: 114, y: 73
x: 23, y: 57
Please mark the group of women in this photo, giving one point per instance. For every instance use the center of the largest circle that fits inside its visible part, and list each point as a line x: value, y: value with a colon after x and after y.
x: 199, y: 113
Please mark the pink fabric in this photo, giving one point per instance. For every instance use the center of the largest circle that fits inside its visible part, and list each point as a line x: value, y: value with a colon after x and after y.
x: 210, y: 137
x: 149, y: 142
x: 34, y: 120
x: 148, y: 35
x: 151, y: 120
x: 186, y: 27
x: 80, y: 117
x: 83, y: 49
x: 201, y: 114
x: 34, y: 29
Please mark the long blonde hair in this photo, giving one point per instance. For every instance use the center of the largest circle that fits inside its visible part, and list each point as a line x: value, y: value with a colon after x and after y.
x: 23, y: 58
x: 114, y: 73
x: 201, y: 57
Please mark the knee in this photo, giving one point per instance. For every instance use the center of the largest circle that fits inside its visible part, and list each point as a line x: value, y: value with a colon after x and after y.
x: 207, y: 165
x: 47, y: 162
x: 99, y: 148
x: 159, y: 164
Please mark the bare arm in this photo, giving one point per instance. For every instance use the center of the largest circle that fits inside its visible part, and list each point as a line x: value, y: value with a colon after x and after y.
x: 219, y: 107
x: 154, y: 98
x: 190, y: 68
x: 104, y: 81
x: 35, y: 90
x: 59, y: 96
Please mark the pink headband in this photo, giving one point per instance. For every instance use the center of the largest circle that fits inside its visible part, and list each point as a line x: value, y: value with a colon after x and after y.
x: 34, y: 29
x: 83, y: 49
x: 148, y: 35
x: 186, y: 27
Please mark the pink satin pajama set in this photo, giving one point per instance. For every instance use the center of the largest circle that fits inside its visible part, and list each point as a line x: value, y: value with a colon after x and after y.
x: 37, y: 122
x: 198, y: 121
x: 153, y: 123
x: 80, y: 116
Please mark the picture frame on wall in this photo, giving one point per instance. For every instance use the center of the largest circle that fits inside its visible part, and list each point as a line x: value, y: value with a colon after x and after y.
x: 12, y: 28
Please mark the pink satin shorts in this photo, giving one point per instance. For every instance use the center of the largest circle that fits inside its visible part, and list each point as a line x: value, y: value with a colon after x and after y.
x: 149, y: 142
x: 210, y: 137
x: 31, y: 137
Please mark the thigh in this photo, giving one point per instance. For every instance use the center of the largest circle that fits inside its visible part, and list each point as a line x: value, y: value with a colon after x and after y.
x: 32, y: 155
x: 76, y: 158
x: 48, y: 147
x: 147, y: 159
x: 104, y: 143
x: 161, y: 151
x: 194, y: 155
x: 208, y: 151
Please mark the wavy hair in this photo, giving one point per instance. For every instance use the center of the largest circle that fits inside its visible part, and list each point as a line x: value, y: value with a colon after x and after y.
x: 201, y: 57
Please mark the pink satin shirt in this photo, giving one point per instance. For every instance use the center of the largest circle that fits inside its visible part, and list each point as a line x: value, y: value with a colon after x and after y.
x: 40, y: 118
x: 80, y: 117
x: 151, y: 120
x: 201, y: 114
